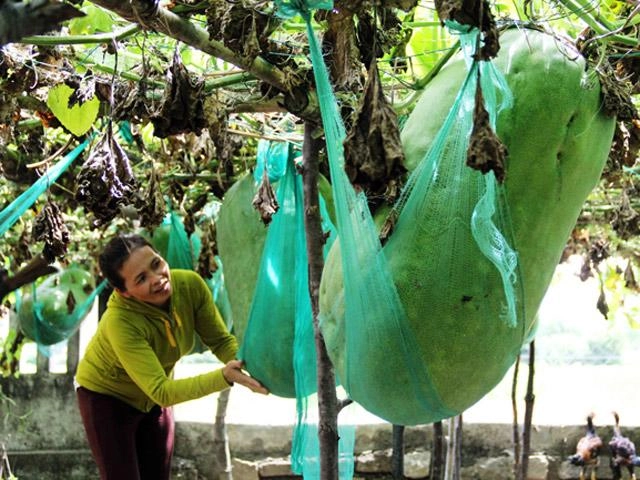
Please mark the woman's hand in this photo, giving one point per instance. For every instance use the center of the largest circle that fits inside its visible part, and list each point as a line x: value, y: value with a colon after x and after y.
x: 233, y: 373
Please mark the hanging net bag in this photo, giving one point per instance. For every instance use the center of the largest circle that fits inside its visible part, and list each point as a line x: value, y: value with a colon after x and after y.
x: 172, y: 241
x: 470, y: 257
x: 52, y: 311
x: 441, y: 187
x: 181, y: 251
x: 277, y: 338
x: 369, y: 292
x: 268, y: 341
x: 10, y: 214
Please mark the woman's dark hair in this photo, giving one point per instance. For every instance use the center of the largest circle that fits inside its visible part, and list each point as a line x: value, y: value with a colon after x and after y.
x: 115, y: 253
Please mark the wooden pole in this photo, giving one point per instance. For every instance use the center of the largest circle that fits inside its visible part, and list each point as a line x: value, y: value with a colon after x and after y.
x: 327, y: 398
x: 397, y: 452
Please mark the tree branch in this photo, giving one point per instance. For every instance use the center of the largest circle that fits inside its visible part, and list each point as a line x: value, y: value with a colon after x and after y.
x: 35, y: 269
x: 149, y: 15
x: 164, y: 21
x: 19, y: 19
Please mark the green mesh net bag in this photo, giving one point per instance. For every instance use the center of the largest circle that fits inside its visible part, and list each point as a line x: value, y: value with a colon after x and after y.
x: 53, y: 310
x: 181, y: 251
x: 280, y: 303
x: 471, y: 258
x: 10, y: 214
x: 172, y: 241
x: 369, y: 295
x: 278, y: 339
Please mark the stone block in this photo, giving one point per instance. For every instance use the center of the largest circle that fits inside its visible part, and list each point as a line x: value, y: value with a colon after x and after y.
x: 538, y: 467
x: 244, y: 469
x: 416, y: 464
x: 500, y: 468
x: 275, y: 467
x: 378, y: 461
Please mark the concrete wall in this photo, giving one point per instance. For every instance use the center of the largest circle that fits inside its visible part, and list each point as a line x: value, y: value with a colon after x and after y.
x: 42, y: 433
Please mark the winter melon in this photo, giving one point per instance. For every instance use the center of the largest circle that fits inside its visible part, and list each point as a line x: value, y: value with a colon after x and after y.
x: 268, y: 341
x: 558, y: 141
x: 60, y: 298
x: 240, y: 236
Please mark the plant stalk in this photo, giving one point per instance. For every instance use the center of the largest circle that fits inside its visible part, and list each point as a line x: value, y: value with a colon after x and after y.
x: 52, y: 40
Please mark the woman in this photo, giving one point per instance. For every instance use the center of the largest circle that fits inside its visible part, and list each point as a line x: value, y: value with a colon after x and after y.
x: 125, y: 382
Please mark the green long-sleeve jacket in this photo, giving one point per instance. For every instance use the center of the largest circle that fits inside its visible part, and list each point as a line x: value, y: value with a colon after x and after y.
x: 133, y: 352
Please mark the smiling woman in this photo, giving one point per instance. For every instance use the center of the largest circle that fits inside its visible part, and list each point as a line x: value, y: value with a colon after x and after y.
x: 125, y: 379
x: 146, y: 278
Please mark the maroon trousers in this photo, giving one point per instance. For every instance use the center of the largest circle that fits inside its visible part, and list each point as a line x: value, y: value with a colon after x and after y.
x: 127, y: 444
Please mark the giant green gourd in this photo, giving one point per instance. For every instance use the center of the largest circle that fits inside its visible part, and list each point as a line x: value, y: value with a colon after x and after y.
x: 241, y: 241
x: 240, y: 236
x: 60, y: 298
x: 558, y: 141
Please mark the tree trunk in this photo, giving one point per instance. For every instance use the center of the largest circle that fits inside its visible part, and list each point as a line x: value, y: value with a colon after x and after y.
x: 20, y: 19
x: 327, y: 398
x: 5, y: 467
x: 454, y: 448
x: 448, y: 464
x: 221, y: 438
x: 436, y: 469
x: 36, y: 268
x: 457, y: 452
x: 397, y: 452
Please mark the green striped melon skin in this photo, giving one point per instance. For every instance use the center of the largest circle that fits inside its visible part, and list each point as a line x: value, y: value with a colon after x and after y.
x: 558, y: 142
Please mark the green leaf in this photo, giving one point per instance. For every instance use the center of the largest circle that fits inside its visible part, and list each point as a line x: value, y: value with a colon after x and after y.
x: 426, y: 44
x: 79, y: 118
x: 96, y: 20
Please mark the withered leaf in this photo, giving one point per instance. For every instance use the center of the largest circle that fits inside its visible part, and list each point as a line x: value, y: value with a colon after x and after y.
x: 71, y: 302
x: 105, y: 180
x: 374, y: 158
x: 625, y: 219
x: 474, y: 13
x: 265, y: 200
x: 601, y: 304
x: 585, y: 269
x: 84, y: 89
x: 630, y: 277
x: 241, y: 27
x: 130, y: 101
x: 227, y: 145
x: 151, y: 205
x: 599, y: 251
x: 49, y: 227
x: 181, y: 109
x: 207, y: 263
x: 485, y: 152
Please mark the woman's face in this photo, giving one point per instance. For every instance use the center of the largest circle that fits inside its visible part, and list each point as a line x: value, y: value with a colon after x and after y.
x: 146, y: 277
